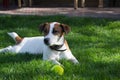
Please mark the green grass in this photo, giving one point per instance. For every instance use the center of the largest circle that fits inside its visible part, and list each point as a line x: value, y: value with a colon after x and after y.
x: 94, y: 42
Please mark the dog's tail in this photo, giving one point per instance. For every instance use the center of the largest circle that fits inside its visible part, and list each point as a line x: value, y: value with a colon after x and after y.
x: 15, y: 36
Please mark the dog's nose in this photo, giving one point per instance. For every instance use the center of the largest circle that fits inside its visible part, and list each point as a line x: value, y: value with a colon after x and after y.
x: 46, y: 41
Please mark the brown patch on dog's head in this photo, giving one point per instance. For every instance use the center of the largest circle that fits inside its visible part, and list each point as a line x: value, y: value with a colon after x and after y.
x: 59, y: 29
x: 44, y: 28
x: 65, y: 28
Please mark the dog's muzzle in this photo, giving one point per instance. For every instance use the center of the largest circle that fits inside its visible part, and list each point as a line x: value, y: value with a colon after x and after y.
x: 53, y: 47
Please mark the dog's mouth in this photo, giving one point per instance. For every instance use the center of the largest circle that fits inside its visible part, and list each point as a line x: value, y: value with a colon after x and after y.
x: 54, y: 46
x: 57, y: 47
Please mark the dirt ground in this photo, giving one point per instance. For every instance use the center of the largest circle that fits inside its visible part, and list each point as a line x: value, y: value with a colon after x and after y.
x: 82, y: 12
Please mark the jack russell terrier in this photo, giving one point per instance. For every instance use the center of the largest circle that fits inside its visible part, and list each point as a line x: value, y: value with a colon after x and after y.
x: 52, y: 45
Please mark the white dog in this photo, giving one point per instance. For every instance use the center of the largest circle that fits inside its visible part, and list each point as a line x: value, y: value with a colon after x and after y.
x: 52, y: 45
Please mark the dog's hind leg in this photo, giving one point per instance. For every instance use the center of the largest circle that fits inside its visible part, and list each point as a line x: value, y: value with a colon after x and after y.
x: 7, y: 49
x: 15, y: 36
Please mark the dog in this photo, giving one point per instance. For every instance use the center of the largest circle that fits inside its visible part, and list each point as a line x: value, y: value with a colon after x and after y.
x: 52, y: 45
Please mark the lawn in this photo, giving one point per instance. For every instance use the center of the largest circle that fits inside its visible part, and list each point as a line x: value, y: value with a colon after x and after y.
x: 94, y: 42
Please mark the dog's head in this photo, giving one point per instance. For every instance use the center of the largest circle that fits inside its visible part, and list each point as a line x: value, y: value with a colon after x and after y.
x: 54, y: 33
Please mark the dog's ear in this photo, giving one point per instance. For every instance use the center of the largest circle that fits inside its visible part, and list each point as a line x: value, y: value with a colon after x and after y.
x: 65, y: 28
x: 42, y: 27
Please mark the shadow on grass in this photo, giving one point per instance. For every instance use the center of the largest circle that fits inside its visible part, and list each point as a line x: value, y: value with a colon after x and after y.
x: 18, y: 58
x: 29, y: 74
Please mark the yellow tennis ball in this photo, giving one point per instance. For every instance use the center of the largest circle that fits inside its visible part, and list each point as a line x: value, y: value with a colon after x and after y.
x: 57, y: 69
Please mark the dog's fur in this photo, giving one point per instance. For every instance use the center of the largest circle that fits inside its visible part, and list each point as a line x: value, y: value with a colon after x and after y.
x: 52, y: 45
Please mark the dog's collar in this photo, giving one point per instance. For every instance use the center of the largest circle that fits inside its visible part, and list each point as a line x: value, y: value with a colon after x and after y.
x: 57, y: 48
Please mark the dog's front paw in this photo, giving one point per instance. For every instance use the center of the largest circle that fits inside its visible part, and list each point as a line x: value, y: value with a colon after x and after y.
x: 74, y: 61
x: 55, y: 62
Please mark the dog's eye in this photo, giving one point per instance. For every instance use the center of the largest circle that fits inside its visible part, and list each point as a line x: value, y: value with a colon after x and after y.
x: 45, y: 31
x: 55, y: 31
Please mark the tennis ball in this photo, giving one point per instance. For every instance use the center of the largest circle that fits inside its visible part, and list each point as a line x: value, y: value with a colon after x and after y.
x: 57, y: 69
